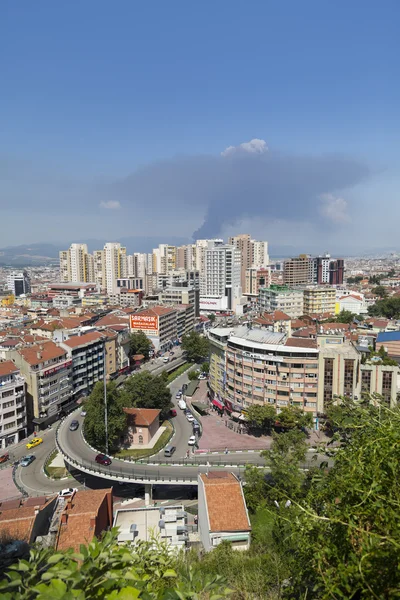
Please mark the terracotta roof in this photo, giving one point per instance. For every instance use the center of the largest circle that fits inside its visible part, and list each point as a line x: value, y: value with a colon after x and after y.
x: 17, y: 519
x: 34, y: 355
x: 159, y: 311
x: 355, y: 296
x: 225, y: 502
x: 305, y: 332
x: 80, y: 520
x: 109, y: 320
x: 81, y: 340
x: 142, y: 417
x: 330, y: 326
x: 298, y: 342
x: 280, y: 316
x: 7, y: 367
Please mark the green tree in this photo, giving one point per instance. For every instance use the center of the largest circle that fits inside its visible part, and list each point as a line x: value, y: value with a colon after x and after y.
x: 104, y: 570
x: 357, y: 279
x: 144, y: 390
x: 375, y: 279
x: 195, y: 346
x: 94, y: 425
x: 205, y: 367
x: 139, y: 343
x: 293, y: 417
x: 287, y: 452
x: 346, y: 532
x: 345, y: 316
x: 380, y: 291
x: 391, y: 273
x: 193, y: 375
x: 261, y: 416
x: 387, y: 307
x: 256, y: 488
x: 211, y: 317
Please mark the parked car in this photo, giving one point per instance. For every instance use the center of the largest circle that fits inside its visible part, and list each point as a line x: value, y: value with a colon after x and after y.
x: 102, y: 459
x: 74, y: 425
x: 83, y: 413
x: 190, y: 417
x: 171, y: 353
x: 35, y: 442
x: 67, y: 492
x: 182, y: 404
x: 4, y: 457
x: 178, y: 394
x: 27, y: 460
x: 166, y: 359
x: 202, y: 376
x: 192, y: 440
x: 172, y: 412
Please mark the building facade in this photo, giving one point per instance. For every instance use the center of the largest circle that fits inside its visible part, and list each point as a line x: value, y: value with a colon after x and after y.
x: 86, y: 352
x: 319, y: 300
x: 159, y: 323
x: 222, y: 277
x: 282, y: 298
x: 256, y: 278
x: 13, y: 417
x: 19, y: 283
x: 218, y: 338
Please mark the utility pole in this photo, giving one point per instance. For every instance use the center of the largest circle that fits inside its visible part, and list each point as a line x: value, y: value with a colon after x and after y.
x: 105, y: 397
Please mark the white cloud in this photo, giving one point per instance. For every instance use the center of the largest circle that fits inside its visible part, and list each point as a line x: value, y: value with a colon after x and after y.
x: 255, y: 146
x: 334, y: 209
x: 111, y: 204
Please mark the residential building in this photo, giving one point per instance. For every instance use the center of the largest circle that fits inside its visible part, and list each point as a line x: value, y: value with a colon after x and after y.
x: 13, y: 419
x: 319, y: 300
x: 256, y: 278
x: 115, y: 265
x: 142, y: 426
x: 283, y: 298
x: 159, y: 323
x: 19, y: 283
x: 267, y: 367
x: 260, y: 256
x: 111, y: 352
x: 244, y: 244
x: 222, y: 512
x: 77, y: 289
x: 76, y: 264
x: 380, y: 379
x: 87, y: 514
x: 220, y: 287
x: 181, y: 294
x: 126, y: 298
x: 296, y: 271
x: 168, y: 523
x: 185, y: 319
x: 25, y: 519
x: 324, y: 269
x: 354, y: 303
x: 178, y: 277
x: 47, y: 370
x: 218, y: 338
x: 390, y: 341
x: 86, y: 351
x: 99, y: 269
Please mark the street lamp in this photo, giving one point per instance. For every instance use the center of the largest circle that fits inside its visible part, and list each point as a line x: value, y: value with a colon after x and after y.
x: 105, y: 396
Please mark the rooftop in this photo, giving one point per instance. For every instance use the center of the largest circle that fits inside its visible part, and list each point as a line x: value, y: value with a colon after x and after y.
x: 158, y: 311
x: 226, y: 506
x: 35, y: 355
x: 82, y: 340
x: 7, y: 368
x: 261, y: 336
x: 142, y: 417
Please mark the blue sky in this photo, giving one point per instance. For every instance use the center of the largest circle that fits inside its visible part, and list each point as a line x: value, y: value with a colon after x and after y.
x: 94, y: 92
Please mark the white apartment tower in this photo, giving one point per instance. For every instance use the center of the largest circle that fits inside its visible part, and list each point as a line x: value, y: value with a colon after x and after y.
x: 260, y: 256
x: 115, y: 265
x: 222, y: 274
x: 76, y: 264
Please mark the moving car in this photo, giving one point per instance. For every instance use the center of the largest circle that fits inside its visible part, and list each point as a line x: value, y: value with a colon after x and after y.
x: 35, y: 442
x: 67, y: 492
x: 169, y: 450
x: 166, y: 359
x: 192, y: 440
x: 103, y: 459
x: 172, y: 412
x: 190, y: 417
x: 4, y: 457
x: 74, y: 425
x: 27, y: 460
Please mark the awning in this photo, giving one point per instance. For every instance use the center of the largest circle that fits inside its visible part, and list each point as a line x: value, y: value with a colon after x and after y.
x: 236, y: 415
x: 218, y: 404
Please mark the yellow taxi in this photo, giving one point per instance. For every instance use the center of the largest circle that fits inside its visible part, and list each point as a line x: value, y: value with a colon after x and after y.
x: 35, y: 442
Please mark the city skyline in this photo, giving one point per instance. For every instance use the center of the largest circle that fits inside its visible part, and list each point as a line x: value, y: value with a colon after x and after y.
x: 146, y: 130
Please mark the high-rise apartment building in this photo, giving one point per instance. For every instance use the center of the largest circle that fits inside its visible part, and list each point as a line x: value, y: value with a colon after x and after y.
x: 220, y: 287
x: 99, y: 268
x: 76, y: 264
x: 259, y: 256
x: 13, y: 421
x: 115, y: 265
x: 19, y: 283
x: 319, y: 299
x: 296, y: 271
x: 283, y: 298
x: 244, y: 244
x: 256, y: 278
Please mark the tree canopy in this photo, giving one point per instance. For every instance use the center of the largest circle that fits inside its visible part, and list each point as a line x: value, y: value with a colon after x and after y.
x: 195, y: 346
x: 293, y: 417
x: 387, y: 307
x: 139, y: 343
x: 144, y: 390
x: 345, y: 316
x: 261, y: 416
x: 355, y: 279
x: 380, y: 291
x: 94, y: 424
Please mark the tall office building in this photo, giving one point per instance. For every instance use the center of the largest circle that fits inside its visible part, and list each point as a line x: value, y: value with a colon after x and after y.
x: 325, y: 269
x: 296, y: 271
x: 115, y: 265
x: 220, y: 286
x: 19, y: 283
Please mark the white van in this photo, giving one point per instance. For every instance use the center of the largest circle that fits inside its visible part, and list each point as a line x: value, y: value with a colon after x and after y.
x: 182, y: 404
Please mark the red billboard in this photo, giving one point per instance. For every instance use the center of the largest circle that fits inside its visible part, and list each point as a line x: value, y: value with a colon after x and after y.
x: 144, y: 322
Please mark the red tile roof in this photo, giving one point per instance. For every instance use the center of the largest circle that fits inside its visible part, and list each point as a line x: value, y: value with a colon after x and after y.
x: 159, y: 311
x: 82, y: 340
x: 7, y: 367
x: 225, y: 502
x: 35, y: 355
x: 142, y: 417
x: 298, y: 342
x: 17, y: 518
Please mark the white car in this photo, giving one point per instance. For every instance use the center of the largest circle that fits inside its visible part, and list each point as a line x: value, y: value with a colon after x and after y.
x: 83, y: 413
x: 182, y: 404
x: 202, y: 376
x: 67, y: 492
x: 192, y: 440
x: 190, y: 418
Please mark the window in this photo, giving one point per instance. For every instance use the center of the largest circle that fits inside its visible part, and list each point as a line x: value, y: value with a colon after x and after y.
x: 9, y: 414
x: 140, y: 439
x: 366, y: 381
x: 9, y: 425
x: 8, y: 404
x: 7, y: 394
